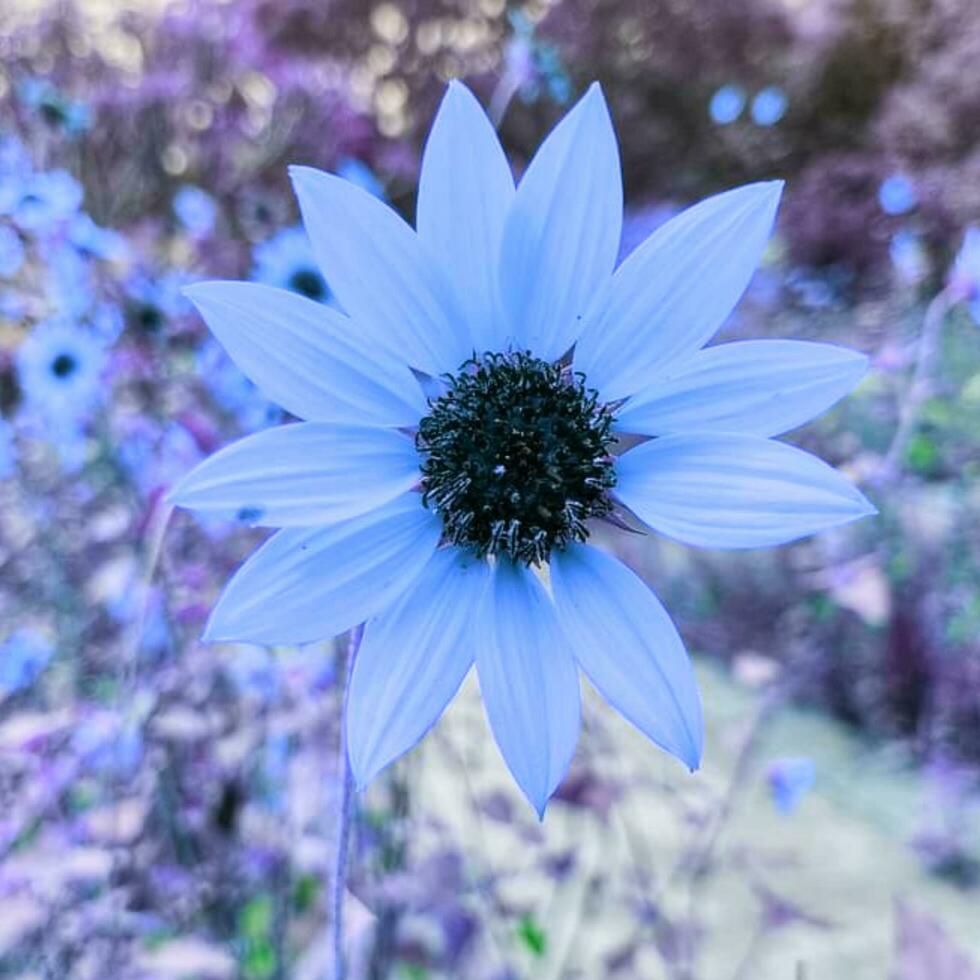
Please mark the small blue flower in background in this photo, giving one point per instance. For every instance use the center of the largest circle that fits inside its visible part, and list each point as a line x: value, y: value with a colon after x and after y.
x: 789, y: 782
x: 965, y: 276
x: 11, y: 252
x: 93, y: 241
x: 8, y: 450
x: 908, y: 256
x: 71, y: 284
x: 152, y: 301
x: 726, y: 104
x: 56, y: 107
x: 196, y: 210
x: 360, y: 174
x: 286, y: 260
x: 60, y: 367
x: 23, y: 656
x: 390, y: 513
x: 769, y: 106
x: 233, y: 391
x: 897, y: 194
x: 43, y: 200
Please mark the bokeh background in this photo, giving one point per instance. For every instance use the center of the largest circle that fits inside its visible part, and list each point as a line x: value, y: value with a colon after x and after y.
x: 167, y: 807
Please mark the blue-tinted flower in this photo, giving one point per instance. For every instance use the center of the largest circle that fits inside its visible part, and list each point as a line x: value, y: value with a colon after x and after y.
x: 56, y: 107
x: 286, y: 260
x: 897, y: 194
x: 11, y: 252
x: 358, y: 172
x: 23, y: 655
x: 60, y: 366
x: 94, y: 241
x: 8, y: 450
x: 426, y: 519
x: 789, y: 781
x: 769, y: 106
x: 152, y: 301
x: 44, y: 200
x: 964, y: 279
x: 233, y: 391
x: 71, y: 286
x: 726, y: 104
x: 908, y: 256
x: 196, y: 210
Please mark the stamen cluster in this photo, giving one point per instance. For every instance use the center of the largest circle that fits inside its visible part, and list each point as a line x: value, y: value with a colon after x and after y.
x: 515, y: 456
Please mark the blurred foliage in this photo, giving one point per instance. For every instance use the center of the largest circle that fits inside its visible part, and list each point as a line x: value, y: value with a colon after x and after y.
x: 165, y: 803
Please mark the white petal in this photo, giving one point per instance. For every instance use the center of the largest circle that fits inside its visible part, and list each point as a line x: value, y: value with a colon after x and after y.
x: 625, y: 642
x: 307, y: 357
x: 529, y: 682
x: 562, y: 233
x: 731, y: 491
x: 465, y: 190
x: 755, y: 387
x: 673, y: 292
x: 308, y: 584
x: 380, y: 272
x: 412, y: 660
x: 301, y: 475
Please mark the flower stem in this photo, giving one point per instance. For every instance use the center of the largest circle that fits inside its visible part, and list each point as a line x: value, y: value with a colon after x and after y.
x: 343, y: 818
x: 925, y: 356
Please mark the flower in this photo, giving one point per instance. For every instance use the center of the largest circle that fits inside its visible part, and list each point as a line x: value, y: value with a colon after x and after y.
x: 60, y: 368
x: 44, y: 200
x: 769, y: 106
x: 93, y: 241
x: 897, y: 194
x: 23, y: 656
x: 11, y: 252
x: 196, y: 210
x: 359, y: 173
x: 789, y: 781
x: 457, y: 525
x: 726, y: 104
x: 286, y: 260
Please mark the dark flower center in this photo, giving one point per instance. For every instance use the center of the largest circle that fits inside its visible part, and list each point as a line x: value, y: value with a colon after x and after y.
x: 63, y: 365
x: 515, y: 457
x: 308, y: 283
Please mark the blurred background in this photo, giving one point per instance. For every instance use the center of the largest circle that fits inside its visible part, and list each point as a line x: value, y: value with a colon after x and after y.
x: 166, y: 807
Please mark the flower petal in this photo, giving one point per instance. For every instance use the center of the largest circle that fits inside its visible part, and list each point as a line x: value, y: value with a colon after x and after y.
x: 671, y: 295
x: 562, y: 233
x: 719, y: 490
x: 380, y: 272
x: 301, y: 475
x: 412, y: 660
x: 755, y: 387
x: 308, y: 584
x: 465, y: 191
x: 624, y: 640
x: 529, y: 682
x: 305, y: 356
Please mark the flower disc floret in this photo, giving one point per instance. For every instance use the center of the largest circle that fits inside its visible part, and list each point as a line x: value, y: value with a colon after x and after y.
x: 516, y: 456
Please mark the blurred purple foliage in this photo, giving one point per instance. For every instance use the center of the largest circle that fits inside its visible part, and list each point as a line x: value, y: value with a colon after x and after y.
x: 165, y: 802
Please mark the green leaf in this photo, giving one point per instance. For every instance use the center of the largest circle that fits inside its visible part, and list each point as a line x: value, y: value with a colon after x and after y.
x: 532, y: 936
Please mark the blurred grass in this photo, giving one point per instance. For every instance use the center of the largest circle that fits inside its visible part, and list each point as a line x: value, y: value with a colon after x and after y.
x: 842, y: 859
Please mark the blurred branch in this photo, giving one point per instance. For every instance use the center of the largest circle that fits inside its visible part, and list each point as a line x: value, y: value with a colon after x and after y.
x: 910, y: 407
